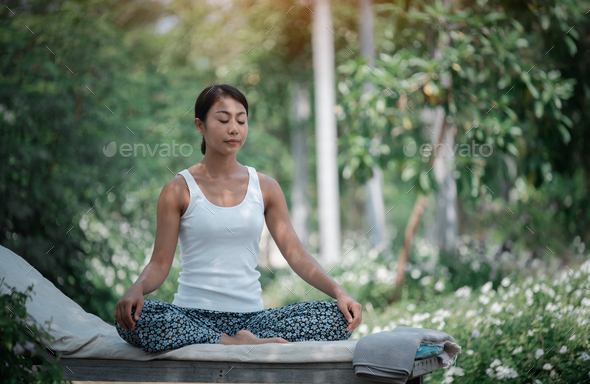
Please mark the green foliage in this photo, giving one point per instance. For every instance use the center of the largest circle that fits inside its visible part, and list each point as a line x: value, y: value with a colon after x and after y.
x: 59, y: 81
x: 22, y: 340
x: 527, y: 329
x: 369, y: 276
x: 499, y: 72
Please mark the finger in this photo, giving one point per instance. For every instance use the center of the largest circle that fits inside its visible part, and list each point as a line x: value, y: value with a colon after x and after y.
x: 138, y: 310
x: 357, y: 318
x: 347, y: 315
x: 359, y: 315
x: 119, y: 318
x: 128, y: 316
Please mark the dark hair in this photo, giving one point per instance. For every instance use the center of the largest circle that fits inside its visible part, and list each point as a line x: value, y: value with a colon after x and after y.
x: 212, y: 95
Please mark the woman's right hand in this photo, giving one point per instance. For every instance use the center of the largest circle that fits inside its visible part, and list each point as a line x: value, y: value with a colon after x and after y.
x: 132, y: 298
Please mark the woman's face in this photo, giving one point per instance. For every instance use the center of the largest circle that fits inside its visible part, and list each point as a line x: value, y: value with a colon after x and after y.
x: 225, y: 121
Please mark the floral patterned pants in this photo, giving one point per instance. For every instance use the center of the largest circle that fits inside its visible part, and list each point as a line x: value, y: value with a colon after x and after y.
x: 163, y: 326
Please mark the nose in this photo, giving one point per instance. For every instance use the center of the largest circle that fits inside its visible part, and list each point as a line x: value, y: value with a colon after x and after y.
x: 233, y: 127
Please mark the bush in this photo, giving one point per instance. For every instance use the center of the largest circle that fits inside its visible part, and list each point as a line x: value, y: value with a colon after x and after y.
x: 530, y: 330
x: 22, y: 340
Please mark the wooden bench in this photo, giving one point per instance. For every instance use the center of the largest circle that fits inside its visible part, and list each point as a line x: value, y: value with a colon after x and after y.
x: 175, y: 371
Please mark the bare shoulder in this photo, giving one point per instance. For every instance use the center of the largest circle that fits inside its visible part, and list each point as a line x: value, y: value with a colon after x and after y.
x: 175, y: 193
x: 270, y: 188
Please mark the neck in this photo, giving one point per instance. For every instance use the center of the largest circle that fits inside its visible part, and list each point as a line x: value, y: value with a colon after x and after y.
x: 220, y: 166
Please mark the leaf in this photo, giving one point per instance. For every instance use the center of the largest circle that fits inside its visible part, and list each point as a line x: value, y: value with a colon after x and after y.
x: 408, y: 173
x: 530, y: 86
x: 512, y: 149
x: 564, y: 133
x: 567, y: 121
x: 571, y: 45
x: 424, y: 181
x: 538, y: 109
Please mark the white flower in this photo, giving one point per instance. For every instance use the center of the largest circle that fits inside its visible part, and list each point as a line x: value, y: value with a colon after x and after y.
x: 586, y: 302
x: 505, y: 282
x: 457, y: 371
x: 517, y: 350
x: 29, y: 346
x: 18, y: 349
x: 463, y: 291
x: 573, y: 337
x: 530, y: 333
x: 484, y: 299
x: 584, y: 356
x: 470, y: 352
x: 509, y: 307
x: 538, y: 382
x: 439, y: 286
x: 415, y: 273
x: 470, y: 313
x: 496, y: 307
x: 539, y: 353
x: 447, y: 380
x: 506, y: 373
x: 529, y: 302
x: 563, y: 349
x: 490, y: 372
x: 411, y: 307
x: 475, y: 334
x: 499, y: 332
x: 550, y: 307
x: 547, y: 366
x: 486, y: 287
x: 495, y: 362
x: 443, y: 313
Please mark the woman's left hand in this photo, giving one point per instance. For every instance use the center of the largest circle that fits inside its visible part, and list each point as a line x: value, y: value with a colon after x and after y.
x: 347, y: 304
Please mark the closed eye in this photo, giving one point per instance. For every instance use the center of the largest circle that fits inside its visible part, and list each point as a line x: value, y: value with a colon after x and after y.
x: 228, y: 121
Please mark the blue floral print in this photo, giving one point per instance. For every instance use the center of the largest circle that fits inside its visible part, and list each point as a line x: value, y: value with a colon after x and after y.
x: 163, y: 326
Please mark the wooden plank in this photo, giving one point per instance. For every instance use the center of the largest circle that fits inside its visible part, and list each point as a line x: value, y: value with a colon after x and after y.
x: 187, y: 371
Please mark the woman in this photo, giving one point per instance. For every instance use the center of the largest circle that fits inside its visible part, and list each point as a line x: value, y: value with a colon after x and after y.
x: 216, y: 209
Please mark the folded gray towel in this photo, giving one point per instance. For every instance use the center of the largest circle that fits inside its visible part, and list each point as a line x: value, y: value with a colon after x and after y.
x: 388, y: 357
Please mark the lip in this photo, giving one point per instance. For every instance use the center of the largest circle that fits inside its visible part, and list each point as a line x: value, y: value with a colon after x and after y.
x: 232, y: 141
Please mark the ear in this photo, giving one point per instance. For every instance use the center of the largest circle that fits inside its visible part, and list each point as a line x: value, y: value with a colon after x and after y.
x: 199, y: 125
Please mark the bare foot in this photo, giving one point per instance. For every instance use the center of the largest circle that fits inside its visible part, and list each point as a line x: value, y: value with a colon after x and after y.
x: 246, y: 337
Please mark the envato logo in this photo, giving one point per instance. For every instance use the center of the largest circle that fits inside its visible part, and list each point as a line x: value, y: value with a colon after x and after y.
x: 126, y: 150
x: 446, y: 150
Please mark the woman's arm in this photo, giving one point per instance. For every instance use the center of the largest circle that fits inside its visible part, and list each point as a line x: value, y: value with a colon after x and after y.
x: 280, y: 227
x: 154, y: 274
x: 167, y: 228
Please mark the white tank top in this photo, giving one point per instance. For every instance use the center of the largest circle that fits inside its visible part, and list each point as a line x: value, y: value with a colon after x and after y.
x: 219, y: 249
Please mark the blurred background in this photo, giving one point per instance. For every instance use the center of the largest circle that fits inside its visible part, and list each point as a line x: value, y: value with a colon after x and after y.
x: 460, y: 175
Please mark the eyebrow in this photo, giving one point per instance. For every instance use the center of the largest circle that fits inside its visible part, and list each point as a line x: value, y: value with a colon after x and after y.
x: 227, y: 113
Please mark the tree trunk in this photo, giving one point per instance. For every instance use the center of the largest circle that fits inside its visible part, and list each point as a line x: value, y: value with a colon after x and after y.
x: 374, y: 207
x: 299, y: 202
x: 413, y: 223
x: 326, y: 134
x: 403, y: 255
x: 443, y: 230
